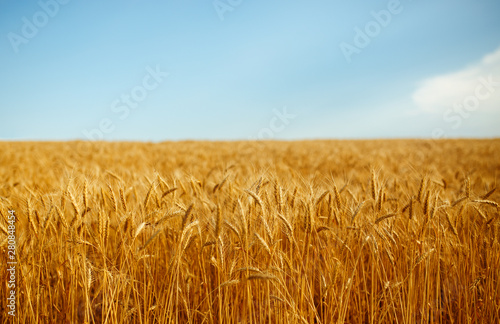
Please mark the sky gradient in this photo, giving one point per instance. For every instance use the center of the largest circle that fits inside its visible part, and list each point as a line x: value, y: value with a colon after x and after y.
x: 239, y: 69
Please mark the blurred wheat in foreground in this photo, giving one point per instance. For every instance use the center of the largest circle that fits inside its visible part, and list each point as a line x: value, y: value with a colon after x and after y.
x: 253, y: 232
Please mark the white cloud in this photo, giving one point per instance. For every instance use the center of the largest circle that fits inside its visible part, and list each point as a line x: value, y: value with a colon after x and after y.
x: 481, y: 81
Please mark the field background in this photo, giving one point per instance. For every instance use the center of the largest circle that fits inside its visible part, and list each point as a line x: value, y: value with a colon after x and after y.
x: 389, y: 231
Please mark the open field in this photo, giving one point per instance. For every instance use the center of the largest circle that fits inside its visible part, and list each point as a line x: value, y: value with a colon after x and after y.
x: 253, y: 232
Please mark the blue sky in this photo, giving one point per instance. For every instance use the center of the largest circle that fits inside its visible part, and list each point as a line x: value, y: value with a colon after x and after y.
x: 240, y: 69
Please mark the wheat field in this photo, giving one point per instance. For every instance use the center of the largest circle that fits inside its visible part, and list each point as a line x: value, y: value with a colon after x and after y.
x: 389, y: 231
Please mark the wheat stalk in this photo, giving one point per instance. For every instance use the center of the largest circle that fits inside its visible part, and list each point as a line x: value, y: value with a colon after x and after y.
x: 489, y: 193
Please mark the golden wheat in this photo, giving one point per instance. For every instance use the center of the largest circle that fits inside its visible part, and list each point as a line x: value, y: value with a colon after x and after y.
x: 254, y: 232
